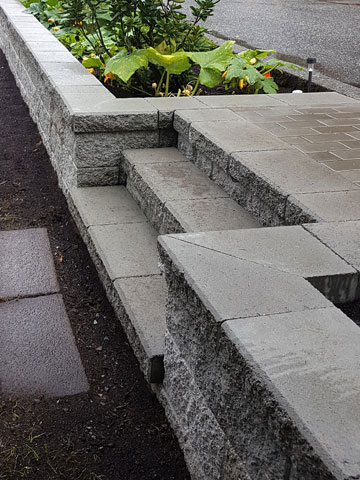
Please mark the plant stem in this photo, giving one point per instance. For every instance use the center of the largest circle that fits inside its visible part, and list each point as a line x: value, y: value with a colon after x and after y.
x: 196, y: 86
x: 167, y: 84
x: 160, y: 82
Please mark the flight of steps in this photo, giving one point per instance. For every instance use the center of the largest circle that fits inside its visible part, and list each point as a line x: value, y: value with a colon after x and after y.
x: 165, y: 193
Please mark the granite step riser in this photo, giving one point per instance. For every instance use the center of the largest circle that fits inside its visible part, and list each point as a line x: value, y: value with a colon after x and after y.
x: 267, y: 203
x: 152, y: 367
x: 155, y: 210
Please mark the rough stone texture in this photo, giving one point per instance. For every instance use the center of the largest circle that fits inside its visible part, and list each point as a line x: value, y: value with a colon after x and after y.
x: 26, y: 264
x: 38, y: 350
x: 342, y: 237
x: 92, y: 177
x: 167, y: 106
x: 143, y: 301
x: 126, y: 250
x: 106, y: 205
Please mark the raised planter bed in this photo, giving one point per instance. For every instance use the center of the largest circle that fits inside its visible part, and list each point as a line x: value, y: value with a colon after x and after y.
x: 249, y: 320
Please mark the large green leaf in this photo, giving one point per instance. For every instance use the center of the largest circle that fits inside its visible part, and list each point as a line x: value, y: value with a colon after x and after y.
x: 217, y: 59
x: 124, y: 65
x: 176, y: 63
x: 92, y: 62
x: 236, y: 68
x: 275, y: 63
x: 209, y: 77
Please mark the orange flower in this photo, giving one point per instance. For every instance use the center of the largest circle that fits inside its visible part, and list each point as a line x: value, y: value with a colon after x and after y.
x: 56, y: 29
x: 91, y: 70
x: 109, y: 76
x: 268, y: 74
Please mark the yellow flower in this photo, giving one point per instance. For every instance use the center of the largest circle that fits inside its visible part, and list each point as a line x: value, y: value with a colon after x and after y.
x: 154, y: 85
x: 253, y: 61
x: 93, y: 55
x: 56, y: 29
x: 109, y: 76
x: 245, y: 78
x: 186, y: 92
x: 91, y: 70
x: 51, y: 20
x: 224, y: 74
x: 241, y: 84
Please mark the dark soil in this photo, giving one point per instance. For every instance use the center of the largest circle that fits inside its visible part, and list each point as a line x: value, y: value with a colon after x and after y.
x: 117, y: 431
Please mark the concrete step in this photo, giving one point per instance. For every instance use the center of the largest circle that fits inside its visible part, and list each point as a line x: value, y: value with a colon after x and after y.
x: 177, y: 197
x: 123, y: 246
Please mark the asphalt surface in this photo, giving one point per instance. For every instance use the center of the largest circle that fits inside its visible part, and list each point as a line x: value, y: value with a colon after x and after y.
x: 297, y: 29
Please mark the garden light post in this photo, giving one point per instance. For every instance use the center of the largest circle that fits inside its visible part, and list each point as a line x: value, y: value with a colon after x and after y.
x: 310, y: 63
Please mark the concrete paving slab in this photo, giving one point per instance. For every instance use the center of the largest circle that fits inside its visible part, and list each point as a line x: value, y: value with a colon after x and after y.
x: 106, y: 205
x: 291, y: 171
x: 328, y: 207
x: 38, y: 351
x: 315, y: 99
x: 233, y: 136
x: 26, y: 264
x: 219, y: 279
x: 178, y: 181
x: 127, y: 250
x: 211, y: 214
x: 310, y: 360
x: 342, y: 237
x: 183, y: 118
x: 223, y: 101
x: 153, y: 155
x: 287, y: 249
x: 144, y: 300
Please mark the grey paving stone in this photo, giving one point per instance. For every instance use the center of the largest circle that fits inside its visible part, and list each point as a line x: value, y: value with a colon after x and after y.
x: 167, y: 107
x: 38, y: 351
x: 349, y: 154
x: 344, y: 165
x: 342, y: 237
x: 314, y: 99
x: 106, y: 205
x: 310, y: 361
x: 178, y: 181
x: 67, y: 73
x: 26, y: 264
x: 152, y: 155
x: 328, y: 207
x: 214, y: 138
x: 291, y: 171
x: 218, y: 278
x: 308, y: 147
x: 183, y: 118
x: 144, y: 300
x: 287, y: 249
x: 210, y: 214
x: 221, y: 101
x: 127, y: 250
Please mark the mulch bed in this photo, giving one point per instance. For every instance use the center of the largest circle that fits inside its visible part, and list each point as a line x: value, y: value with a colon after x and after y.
x: 117, y: 431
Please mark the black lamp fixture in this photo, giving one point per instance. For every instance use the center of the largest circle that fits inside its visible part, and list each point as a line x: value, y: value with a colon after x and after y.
x: 310, y: 63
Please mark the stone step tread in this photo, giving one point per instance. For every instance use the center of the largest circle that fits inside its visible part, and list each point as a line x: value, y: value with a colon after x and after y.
x: 123, y: 246
x: 177, y: 197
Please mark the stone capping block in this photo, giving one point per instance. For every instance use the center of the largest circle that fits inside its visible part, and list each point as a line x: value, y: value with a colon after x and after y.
x: 308, y: 355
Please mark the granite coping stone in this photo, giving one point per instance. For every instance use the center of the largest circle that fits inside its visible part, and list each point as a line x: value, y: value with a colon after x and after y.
x: 310, y: 355
x: 126, y: 250
x: 106, y: 206
x: 38, y: 351
x: 342, y: 237
x: 35, y: 273
x: 144, y: 300
x: 217, y: 279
